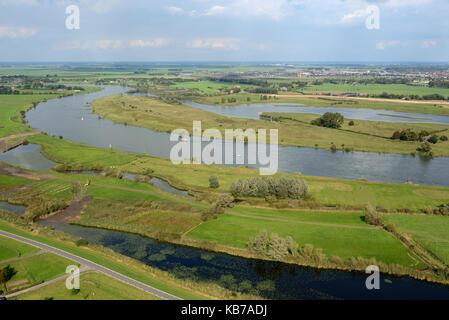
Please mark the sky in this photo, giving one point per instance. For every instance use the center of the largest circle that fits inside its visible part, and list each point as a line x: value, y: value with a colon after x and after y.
x: 231, y: 30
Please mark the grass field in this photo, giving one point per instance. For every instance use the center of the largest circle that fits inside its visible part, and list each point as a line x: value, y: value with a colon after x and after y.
x: 56, y: 189
x: 93, y: 286
x: 7, y: 182
x: 294, y: 130
x: 36, y: 269
x: 346, y: 237
x: 10, y: 249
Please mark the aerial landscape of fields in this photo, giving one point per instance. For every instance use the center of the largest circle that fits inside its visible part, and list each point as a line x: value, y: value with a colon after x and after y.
x: 218, y: 169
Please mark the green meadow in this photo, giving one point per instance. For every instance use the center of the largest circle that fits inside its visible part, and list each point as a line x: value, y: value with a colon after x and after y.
x: 10, y: 249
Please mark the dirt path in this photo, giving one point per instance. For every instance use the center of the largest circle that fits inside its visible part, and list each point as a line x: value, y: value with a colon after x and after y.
x: 14, y: 172
x: 20, y: 135
x: 71, y: 213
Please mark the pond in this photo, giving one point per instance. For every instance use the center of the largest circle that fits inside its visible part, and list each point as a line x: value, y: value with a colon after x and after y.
x: 28, y: 157
x: 12, y: 207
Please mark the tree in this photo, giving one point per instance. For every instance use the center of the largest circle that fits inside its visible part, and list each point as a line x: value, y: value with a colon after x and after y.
x: 213, y: 182
x: 329, y: 120
x: 6, y: 274
x: 433, y: 139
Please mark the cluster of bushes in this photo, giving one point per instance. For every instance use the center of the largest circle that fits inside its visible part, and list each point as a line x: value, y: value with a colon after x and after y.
x: 281, y: 188
x: 274, y: 246
x: 223, y: 202
x: 329, y: 120
x: 411, y: 135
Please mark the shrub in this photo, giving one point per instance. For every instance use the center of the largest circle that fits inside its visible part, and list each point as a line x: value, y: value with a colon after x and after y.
x: 351, y: 123
x: 433, y: 139
x: 443, y: 138
x: 81, y: 242
x: 372, y: 216
x: 213, y: 182
x: 224, y: 201
x: 329, y: 120
x: 396, y: 135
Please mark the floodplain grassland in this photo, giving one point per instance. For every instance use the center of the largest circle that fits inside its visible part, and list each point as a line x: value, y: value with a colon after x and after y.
x: 294, y: 129
x: 93, y: 286
x: 346, y: 237
x: 10, y: 249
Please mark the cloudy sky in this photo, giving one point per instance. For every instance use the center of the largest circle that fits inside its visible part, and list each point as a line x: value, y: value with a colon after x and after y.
x: 230, y: 30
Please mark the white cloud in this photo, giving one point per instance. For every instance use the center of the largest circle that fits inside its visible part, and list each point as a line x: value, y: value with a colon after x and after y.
x: 88, y: 45
x: 175, y: 9
x: 382, y: 45
x: 215, y: 10
x: 156, y: 43
x: 215, y: 43
x: 14, y: 32
x: 428, y: 43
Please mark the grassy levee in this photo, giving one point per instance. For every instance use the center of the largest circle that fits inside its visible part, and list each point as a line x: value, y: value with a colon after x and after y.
x: 93, y: 286
x: 329, y: 191
x: 10, y: 249
x: 126, y: 266
x: 337, y: 102
x: 294, y: 129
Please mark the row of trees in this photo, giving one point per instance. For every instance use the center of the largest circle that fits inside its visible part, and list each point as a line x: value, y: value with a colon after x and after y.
x: 412, y: 135
x: 281, y: 188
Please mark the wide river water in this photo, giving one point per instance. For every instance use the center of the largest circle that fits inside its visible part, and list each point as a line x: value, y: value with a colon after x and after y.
x: 72, y: 118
